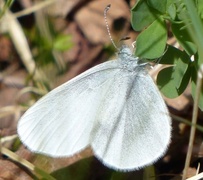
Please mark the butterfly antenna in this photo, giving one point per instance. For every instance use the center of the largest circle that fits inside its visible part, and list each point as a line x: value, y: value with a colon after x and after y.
x: 107, y: 25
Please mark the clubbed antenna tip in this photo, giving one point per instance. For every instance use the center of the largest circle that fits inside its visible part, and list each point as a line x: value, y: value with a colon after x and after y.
x: 107, y: 26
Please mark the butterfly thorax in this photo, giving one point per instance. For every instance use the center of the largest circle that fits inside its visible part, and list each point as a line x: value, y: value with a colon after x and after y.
x: 128, y: 61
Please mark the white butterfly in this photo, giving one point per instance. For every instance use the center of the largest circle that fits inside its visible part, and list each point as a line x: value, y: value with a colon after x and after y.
x: 114, y: 107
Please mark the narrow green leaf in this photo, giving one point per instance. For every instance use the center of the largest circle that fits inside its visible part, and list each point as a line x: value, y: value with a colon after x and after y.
x: 151, y: 42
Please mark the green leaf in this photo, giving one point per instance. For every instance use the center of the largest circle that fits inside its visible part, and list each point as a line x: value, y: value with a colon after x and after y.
x: 62, y: 43
x: 158, y: 5
x: 184, y: 38
x: 172, y: 81
x: 150, y: 44
x: 142, y: 15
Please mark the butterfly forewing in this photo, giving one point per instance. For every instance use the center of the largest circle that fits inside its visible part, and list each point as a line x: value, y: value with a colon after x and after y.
x: 60, y: 123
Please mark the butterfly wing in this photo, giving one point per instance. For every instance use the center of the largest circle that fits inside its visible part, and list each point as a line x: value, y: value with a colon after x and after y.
x: 60, y: 123
x: 134, y: 127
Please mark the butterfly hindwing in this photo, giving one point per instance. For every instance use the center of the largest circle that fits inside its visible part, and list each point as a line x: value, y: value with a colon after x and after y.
x: 134, y: 131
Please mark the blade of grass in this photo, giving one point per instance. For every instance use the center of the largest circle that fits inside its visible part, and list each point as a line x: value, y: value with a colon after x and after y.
x: 34, y: 8
x: 6, y: 6
x: 30, y: 166
x: 182, y: 120
x: 197, y: 25
x: 11, y: 25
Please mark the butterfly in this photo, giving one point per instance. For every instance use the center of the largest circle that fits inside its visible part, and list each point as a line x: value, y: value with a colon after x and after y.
x: 114, y: 107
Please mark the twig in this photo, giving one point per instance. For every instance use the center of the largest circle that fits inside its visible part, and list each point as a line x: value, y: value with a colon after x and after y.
x: 194, y: 121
